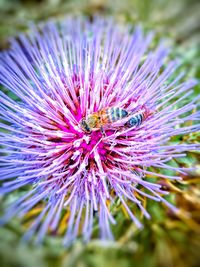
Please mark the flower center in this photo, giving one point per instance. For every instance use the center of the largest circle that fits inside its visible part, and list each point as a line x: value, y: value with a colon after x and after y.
x: 92, y: 142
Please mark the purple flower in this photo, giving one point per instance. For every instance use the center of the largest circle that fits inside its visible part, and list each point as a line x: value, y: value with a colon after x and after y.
x: 64, y: 72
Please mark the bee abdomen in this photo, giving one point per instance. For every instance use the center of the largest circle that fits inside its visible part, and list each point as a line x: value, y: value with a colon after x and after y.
x: 135, y: 120
x: 116, y: 114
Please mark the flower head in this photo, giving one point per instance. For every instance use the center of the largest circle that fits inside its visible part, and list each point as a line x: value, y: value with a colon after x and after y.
x: 95, y: 108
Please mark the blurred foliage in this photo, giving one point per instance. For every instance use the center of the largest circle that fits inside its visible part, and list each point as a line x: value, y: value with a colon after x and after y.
x: 166, y: 240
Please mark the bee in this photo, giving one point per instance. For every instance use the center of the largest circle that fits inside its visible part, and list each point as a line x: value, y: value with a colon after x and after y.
x: 137, y: 119
x: 103, y: 117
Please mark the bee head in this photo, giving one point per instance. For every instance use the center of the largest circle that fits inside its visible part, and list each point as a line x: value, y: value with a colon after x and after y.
x: 84, y: 126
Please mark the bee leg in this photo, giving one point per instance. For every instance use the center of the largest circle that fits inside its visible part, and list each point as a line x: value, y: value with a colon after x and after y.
x: 102, y: 131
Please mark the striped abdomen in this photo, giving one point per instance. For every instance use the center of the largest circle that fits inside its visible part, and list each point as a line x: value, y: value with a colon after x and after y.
x: 110, y: 115
x: 136, y: 120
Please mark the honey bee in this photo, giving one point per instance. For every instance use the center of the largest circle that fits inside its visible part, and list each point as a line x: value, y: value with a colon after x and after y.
x: 137, y: 119
x: 103, y: 117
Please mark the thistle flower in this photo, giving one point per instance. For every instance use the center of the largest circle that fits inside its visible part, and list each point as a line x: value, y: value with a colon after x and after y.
x: 64, y: 72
